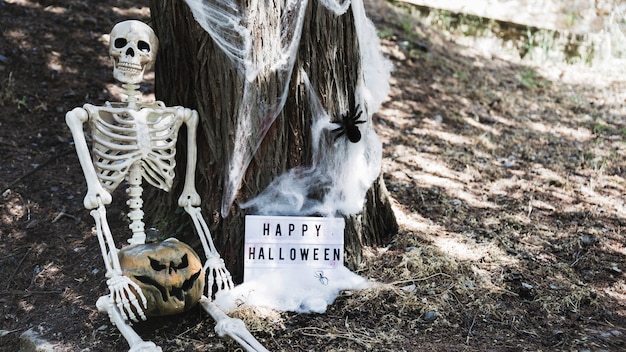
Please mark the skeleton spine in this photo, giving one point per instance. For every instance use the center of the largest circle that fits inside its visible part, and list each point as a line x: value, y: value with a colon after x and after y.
x: 132, y: 92
x: 135, y: 203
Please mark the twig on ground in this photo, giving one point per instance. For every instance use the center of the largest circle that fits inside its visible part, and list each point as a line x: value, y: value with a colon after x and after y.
x: 360, y: 339
x: 62, y: 214
x: 469, y: 332
x: 419, y: 279
x: 10, y: 280
x: 26, y: 293
x: 36, y: 169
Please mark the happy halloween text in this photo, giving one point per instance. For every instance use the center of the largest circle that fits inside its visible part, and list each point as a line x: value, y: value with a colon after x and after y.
x: 275, y: 241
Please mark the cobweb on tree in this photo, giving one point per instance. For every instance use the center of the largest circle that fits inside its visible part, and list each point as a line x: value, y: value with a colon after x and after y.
x: 266, y: 57
x: 224, y: 22
x: 341, y: 172
x: 336, y: 181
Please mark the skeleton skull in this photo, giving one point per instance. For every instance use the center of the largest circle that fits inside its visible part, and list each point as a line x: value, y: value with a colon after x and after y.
x: 132, y: 47
x: 169, y: 274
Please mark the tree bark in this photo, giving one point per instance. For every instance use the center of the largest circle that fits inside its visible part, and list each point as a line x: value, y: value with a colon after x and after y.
x: 192, y: 71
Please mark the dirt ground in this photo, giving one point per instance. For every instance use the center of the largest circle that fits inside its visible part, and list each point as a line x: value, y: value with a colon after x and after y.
x: 508, y: 179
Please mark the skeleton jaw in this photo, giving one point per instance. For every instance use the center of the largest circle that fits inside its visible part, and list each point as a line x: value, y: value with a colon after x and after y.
x: 128, y: 72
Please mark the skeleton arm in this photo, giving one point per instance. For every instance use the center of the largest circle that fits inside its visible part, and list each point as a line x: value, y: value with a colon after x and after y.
x: 214, y: 266
x: 190, y: 196
x: 121, y: 293
x: 124, y: 293
x: 75, y: 120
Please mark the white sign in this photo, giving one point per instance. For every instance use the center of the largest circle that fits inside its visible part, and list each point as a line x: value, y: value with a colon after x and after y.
x: 274, y: 242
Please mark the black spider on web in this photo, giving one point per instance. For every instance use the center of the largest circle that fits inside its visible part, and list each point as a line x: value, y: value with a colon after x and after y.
x: 348, y: 124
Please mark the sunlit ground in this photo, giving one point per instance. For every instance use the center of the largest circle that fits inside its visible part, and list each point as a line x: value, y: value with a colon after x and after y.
x: 513, y: 175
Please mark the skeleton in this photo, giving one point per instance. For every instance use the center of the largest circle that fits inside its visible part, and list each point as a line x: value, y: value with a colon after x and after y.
x: 136, y: 141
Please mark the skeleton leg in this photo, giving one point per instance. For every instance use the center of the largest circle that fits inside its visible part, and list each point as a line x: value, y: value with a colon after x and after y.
x: 214, y: 266
x: 106, y: 304
x: 235, y: 328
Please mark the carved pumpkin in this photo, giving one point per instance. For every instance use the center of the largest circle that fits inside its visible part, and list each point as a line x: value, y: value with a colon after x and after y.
x: 169, y: 274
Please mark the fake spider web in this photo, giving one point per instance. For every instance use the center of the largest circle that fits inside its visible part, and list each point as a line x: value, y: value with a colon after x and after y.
x: 336, y: 181
x: 271, y: 62
x: 223, y: 21
x: 267, y: 61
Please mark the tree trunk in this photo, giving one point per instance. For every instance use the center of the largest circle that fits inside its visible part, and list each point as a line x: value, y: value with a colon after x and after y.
x: 193, y: 72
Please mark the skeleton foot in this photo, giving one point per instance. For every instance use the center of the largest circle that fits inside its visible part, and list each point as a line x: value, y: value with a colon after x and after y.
x: 145, y: 346
x: 235, y: 328
x: 216, y: 273
x: 106, y: 304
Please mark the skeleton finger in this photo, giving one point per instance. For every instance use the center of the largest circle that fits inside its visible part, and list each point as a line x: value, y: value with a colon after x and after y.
x: 126, y: 299
x: 121, y: 301
x: 224, y: 280
x: 217, y: 273
x: 124, y: 304
x: 117, y: 297
x: 221, y: 279
x: 209, y: 280
x: 216, y: 277
x: 144, y: 301
x: 135, y: 304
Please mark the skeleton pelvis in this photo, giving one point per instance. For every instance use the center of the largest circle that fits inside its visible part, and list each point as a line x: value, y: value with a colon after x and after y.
x: 169, y: 274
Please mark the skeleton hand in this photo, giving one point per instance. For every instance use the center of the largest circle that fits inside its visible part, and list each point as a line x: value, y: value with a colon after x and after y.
x: 216, y: 271
x: 93, y: 192
x: 123, y: 293
x: 189, y: 197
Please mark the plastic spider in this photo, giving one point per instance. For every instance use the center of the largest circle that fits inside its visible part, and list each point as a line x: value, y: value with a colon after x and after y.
x: 320, y: 276
x: 348, y: 124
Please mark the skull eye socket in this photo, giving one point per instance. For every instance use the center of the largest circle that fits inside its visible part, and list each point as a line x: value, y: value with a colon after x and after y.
x: 144, y: 47
x: 156, y: 265
x: 120, y: 43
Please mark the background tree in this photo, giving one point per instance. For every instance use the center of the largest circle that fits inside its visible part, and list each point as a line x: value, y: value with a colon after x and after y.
x: 192, y: 71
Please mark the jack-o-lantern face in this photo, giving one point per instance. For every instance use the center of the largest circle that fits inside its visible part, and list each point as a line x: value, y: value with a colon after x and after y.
x: 169, y: 274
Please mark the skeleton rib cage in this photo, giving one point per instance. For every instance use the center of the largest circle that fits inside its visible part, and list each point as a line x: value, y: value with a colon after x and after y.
x: 123, y: 138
